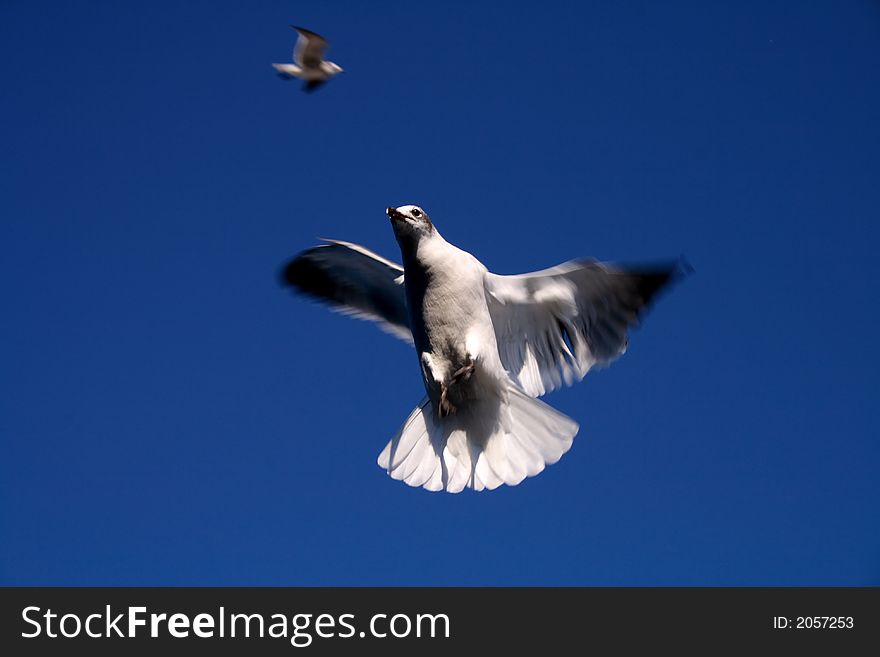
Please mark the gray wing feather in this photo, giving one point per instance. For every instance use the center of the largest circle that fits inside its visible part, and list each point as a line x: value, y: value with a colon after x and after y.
x: 553, y: 325
x: 309, y: 49
x: 355, y: 281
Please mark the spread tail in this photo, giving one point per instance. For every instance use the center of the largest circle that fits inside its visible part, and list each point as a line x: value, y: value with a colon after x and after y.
x: 494, y: 443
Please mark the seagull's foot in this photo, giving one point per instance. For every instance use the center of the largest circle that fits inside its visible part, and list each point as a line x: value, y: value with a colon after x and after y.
x: 460, y: 375
x: 464, y: 372
x: 445, y: 407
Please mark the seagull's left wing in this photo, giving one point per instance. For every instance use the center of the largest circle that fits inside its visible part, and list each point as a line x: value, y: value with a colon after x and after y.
x: 355, y: 281
x: 553, y: 325
x: 309, y: 49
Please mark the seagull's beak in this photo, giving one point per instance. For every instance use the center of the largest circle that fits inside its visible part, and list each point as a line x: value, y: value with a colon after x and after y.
x: 394, y: 215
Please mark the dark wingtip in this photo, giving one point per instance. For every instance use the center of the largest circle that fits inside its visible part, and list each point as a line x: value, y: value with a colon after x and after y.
x: 304, y: 274
x: 297, y: 272
x: 307, y: 32
x: 294, y: 274
x: 651, y: 282
x: 286, y: 274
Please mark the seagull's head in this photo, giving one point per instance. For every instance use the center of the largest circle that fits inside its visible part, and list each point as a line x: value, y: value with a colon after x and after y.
x: 410, y: 223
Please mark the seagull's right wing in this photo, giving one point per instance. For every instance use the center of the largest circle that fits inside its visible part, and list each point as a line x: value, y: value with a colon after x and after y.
x: 355, y: 281
x: 553, y: 325
x: 309, y: 49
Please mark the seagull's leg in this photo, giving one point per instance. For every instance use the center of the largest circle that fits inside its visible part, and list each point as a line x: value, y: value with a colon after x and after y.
x: 463, y: 373
x: 445, y: 406
x: 432, y: 372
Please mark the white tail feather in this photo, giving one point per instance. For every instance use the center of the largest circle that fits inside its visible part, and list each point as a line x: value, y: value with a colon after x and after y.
x: 483, y: 449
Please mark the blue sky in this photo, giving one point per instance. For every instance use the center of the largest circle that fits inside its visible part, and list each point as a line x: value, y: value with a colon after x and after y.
x: 169, y: 415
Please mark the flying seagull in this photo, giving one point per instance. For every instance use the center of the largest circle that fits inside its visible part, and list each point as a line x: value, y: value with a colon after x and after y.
x: 487, y: 346
x: 308, y: 61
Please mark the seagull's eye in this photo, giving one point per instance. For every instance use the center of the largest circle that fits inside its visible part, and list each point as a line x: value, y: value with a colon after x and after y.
x: 416, y: 213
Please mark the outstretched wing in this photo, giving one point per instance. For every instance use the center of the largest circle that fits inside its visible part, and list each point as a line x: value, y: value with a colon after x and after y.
x: 355, y: 281
x: 553, y: 325
x: 286, y: 71
x: 309, y: 49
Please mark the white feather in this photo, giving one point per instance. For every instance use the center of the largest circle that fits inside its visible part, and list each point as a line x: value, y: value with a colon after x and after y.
x: 437, y: 454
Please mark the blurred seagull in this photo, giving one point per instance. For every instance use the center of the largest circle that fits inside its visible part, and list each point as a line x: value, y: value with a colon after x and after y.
x: 487, y: 346
x: 308, y: 61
